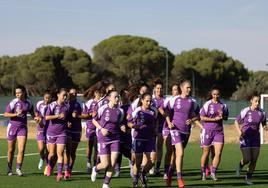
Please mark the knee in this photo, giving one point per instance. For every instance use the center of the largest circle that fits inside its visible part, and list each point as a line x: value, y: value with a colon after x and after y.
x: 205, y: 152
x: 246, y: 160
x: 21, y: 150
x: 51, y: 154
x: 106, y: 165
x: 10, y: 150
x: 179, y: 154
x: 152, y: 158
x: 253, y: 161
x: 217, y: 154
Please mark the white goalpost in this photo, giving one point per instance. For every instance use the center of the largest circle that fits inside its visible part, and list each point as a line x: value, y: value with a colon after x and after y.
x: 264, y: 106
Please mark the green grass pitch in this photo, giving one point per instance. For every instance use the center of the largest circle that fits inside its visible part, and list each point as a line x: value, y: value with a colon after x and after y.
x: 231, y: 155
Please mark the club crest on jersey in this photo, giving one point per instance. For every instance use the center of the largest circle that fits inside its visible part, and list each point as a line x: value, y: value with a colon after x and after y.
x: 18, y: 107
x: 250, y: 118
x: 211, y: 110
x: 57, y: 110
x: 107, y: 118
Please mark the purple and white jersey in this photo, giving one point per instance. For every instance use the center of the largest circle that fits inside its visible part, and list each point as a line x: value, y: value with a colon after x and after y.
x: 75, y: 106
x: 18, y: 105
x: 104, y: 100
x: 90, y: 107
x: 40, y: 109
x: 251, y: 120
x: 212, y: 110
x: 184, y: 109
x: 110, y: 119
x: 159, y: 103
x: 57, y: 126
x: 133, y: 106
x: 146, y: 119
x: 167, y: 106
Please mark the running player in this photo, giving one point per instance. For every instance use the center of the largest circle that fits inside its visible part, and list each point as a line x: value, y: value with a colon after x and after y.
x: 143, y: 124
x: 250, y: 119
x: 74, y: 132
x: 125, y: 133
x: 105, y: 88
x: 40, y: 112
x: 91, y: 108
x: 17, y: 130
x: 185, y: 113
x: 158, y: 101
x: 170, y: 154
x: 144, y: 88
x: 212, y: 114
x: 107, y: 122
x: 56, y: 114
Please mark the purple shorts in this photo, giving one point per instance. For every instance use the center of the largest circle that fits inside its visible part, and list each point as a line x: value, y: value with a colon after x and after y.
x: 90, y: 133
x: 209, y: 137
x: 59, y: 139
x: 141, y: 146
x: 179, y: 137
x: 107, y: 148
x: 75, y: 136
x: 14, y: 131
x: 250, y: 141
x: 41, y: 136
x: 165, y: 132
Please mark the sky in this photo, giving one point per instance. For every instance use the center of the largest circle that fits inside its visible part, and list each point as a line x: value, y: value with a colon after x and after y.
x: 239, y: 28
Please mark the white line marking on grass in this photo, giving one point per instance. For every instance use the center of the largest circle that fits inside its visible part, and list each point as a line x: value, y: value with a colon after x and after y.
x: 32, y: 154
x: 28, y: 154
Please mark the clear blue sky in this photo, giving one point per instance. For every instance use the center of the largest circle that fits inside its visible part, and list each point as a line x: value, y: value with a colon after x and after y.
x: 239, y: 28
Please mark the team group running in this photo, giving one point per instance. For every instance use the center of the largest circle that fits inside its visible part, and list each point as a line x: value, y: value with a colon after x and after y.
x: 135, y: 125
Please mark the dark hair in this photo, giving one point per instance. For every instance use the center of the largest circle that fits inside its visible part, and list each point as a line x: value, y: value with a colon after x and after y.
x: 175, y: 84
x: 61, y: 90
x: 73, y: 89
x: 177, y: 87
x: 110, y: 92
x: 142, y: 97
x: 125, y: 96
x: 182, y: 82
x: 157, y: 81
x: 90, y: 92
x: 214, y: 87
x: 23, y: 89
x: 143, y: 84
x: 123, y: 92
x: 104, y: 85
x: 47, y: 91
x: 254, y: 94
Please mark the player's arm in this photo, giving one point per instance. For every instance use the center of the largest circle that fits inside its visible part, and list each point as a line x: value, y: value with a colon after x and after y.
x: 237, y: 126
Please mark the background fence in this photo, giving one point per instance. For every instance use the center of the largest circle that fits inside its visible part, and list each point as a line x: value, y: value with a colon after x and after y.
x: 234, y: 107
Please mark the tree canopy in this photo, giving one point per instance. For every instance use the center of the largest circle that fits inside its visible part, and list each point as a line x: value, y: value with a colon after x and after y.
x: 127, y: 59
x: 132, y: 58
x: 47, y: 67
x: 258, y: 82
x: 209, y: 68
